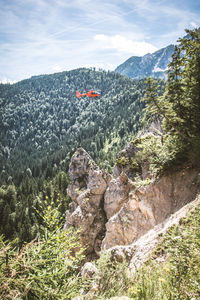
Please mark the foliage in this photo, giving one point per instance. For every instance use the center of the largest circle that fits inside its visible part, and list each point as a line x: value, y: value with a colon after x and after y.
x: 111, y: 279
x: 178, y: 107
x: 113, y: 276
x: 19, y: 206
x: 122, y: 161
x: 46, y: 268
x: 134, y: 165
x: 159, y: 153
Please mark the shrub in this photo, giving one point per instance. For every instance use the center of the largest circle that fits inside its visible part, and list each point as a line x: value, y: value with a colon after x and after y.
x: 46, y: 268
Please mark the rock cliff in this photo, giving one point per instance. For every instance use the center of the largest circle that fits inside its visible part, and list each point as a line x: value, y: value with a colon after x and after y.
x: 109, y: 209
x: 86, y: 189
x: 140, y: 250
x: 148, y: 206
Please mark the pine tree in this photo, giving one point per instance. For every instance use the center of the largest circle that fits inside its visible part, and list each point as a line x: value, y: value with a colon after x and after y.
x: 183, y: 87
x: 180, y: 104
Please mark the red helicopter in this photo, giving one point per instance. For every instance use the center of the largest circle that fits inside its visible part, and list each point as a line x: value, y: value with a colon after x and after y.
x: 91, y: 94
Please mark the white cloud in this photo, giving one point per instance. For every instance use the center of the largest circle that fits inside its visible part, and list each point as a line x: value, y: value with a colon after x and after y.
x: 124, y: 45
x: 45, y: 36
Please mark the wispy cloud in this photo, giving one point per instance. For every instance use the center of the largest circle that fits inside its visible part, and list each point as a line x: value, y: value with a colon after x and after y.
x: 43, y: 36
x: 165, y: 20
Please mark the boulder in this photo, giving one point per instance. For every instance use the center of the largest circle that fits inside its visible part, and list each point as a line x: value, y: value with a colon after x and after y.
x: 88, y: 270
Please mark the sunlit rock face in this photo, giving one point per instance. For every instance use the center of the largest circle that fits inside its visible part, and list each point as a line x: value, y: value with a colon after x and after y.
x: 140, y: 250
x: 148, y: 206
x: 110, y: 211
x: 116, y: 194
x: 86, y: 189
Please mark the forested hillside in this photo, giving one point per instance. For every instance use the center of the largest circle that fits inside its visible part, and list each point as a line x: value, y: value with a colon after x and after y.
x: 43, y: 123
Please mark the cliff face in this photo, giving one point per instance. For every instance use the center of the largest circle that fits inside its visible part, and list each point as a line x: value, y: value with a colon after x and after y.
x: 151, y: 205
x: 109, y: 209
x: 86, y: 189
x: 139, y: 251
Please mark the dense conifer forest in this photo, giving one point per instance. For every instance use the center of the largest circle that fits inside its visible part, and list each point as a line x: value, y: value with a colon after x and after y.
x: 43, y: 123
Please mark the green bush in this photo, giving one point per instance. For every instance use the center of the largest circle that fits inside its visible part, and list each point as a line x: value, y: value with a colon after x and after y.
x: 112, y: 277
x: 122, y: 161
x: 46, y: 268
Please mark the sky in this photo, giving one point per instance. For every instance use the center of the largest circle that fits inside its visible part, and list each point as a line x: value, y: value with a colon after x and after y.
x: 49, y: 36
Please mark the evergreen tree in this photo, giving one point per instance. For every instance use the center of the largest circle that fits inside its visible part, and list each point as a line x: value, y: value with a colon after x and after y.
x: 179, y: 106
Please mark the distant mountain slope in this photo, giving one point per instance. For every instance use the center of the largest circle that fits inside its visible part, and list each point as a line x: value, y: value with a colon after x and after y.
x: 42, y: 122
x: 154, y: 64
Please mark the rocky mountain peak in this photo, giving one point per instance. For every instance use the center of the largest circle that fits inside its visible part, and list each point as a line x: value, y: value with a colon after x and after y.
x: 154, y: 64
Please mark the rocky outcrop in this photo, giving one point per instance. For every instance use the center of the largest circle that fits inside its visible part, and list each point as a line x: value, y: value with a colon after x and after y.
x: 99, y: 198
x: 116, y: 216
x: 116, y: 194
x: 151, y: 205
x: 86, y: 189
x: 139, y: 251
x: 123, y: 163
x: 132, y: 220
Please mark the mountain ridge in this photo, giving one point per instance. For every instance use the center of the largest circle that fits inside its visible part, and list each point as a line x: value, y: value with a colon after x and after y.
x: 154, y: 65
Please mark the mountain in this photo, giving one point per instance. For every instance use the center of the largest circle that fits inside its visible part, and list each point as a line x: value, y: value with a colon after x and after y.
x: 154, y: 65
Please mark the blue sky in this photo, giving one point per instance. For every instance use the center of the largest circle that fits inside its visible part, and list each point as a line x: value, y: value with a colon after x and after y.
x: 48, y: 36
